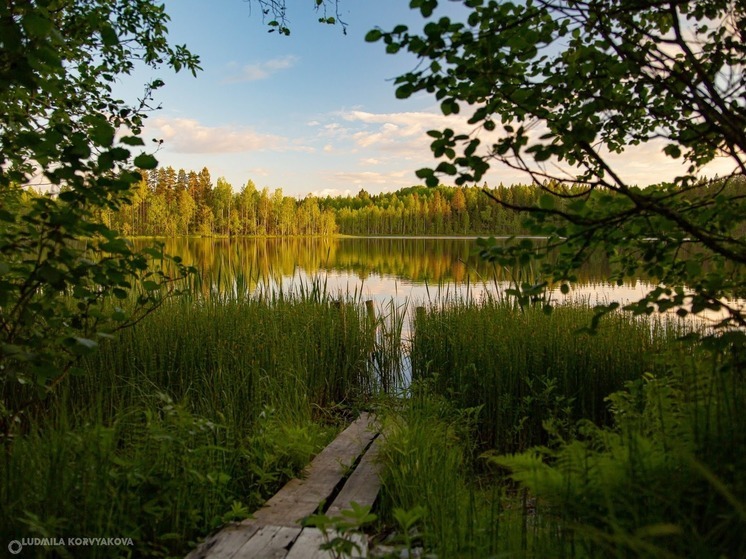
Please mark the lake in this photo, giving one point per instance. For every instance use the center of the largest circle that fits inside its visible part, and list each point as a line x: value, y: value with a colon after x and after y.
x: 417, y: 271
x: 404, y: 272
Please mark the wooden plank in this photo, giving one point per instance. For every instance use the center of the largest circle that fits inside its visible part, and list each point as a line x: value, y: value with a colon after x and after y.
x: 362, y: 486
x: 275, y: 528
x: 310, y: 540
x: 307, y: 546
x: 269, y: 542
x: 301, y: 497
x: 226, y: 543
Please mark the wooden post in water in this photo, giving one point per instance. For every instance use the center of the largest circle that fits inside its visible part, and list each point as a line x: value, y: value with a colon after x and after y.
x: 371, y: 308
x: 419, y: 314
x: 372, y: 332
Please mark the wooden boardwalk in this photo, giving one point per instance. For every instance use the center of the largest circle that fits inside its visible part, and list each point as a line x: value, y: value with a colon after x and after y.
x: 345, y: 471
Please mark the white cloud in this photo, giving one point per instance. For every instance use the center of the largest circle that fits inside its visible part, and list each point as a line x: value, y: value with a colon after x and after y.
x: 184, y: 135
x: 334, y: 128
x: 403, y: 136
x: 647, y: 164
x: 259, y: 171
x: 262, y: 70
x: 396, y: 179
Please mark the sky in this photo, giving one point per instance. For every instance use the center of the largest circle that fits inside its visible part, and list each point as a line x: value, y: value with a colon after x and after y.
x: 312, y: 113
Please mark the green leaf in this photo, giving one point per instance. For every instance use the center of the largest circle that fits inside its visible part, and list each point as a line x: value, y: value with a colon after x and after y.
x: 150, y: 285
x: 423, y: 173
x: 672, y: 150
x: 109, y: 36
x: 132, y: 141
x: 102, y: 132
x: 546, y: 201
x: 37, y: 23
x: 145, y: 161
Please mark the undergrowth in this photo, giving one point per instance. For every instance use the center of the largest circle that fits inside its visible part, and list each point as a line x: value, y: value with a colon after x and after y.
x: 186, y: 421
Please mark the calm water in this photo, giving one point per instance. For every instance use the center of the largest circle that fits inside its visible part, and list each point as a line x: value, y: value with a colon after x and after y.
x: 407, y: 272
x: 412, y: 270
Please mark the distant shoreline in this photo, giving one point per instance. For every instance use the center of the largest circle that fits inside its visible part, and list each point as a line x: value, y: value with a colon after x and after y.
x: 337, y: 236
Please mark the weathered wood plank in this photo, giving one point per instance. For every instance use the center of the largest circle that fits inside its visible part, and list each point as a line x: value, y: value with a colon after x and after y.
x: 275, y: 532
x: 310, y: 540
x: 363, y: 484
x: 269, y: 542
x: 226, y: 543
x: 307, y: 546
x: 301, y: 497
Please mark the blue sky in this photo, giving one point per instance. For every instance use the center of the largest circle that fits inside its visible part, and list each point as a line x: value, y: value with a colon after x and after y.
x: 314, y: 112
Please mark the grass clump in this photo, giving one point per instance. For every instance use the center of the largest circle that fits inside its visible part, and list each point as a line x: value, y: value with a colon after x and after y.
x: 631, y: 447
x: 666, y: 479
x: 157, y: 474
x: 524, y: 367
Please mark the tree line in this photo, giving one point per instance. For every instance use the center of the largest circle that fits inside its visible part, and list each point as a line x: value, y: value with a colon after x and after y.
x: 167, y: 202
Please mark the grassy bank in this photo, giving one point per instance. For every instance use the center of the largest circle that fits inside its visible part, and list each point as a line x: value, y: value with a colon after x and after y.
x: 188, y: 420
x: 519, y: 436
x: 523, y: 438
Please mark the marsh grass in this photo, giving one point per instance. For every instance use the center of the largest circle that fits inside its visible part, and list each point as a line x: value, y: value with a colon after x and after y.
x: 199, y: 413
x: 188, y: 420
x: 524, y: 367
x: 626, y: 443
x: 665, y: 479
x: 436, y: 497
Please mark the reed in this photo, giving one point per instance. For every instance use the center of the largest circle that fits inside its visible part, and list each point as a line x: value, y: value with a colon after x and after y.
x: 229, y: 356
x: 524, y: 367
x: 625, y: 443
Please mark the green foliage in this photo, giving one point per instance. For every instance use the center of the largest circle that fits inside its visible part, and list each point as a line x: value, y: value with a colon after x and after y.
x: 282, y: 350
x: 276, y: 11
x: 666, y: 480
x: 554, y: 89
x: 659, y: 475
x: 433, y: 495
x: 340, y: 531
x: 62, y: 270
x: 191, y: 418
x: 158, y: 474
x: 165, y: 205
x: 438, y: 211
x: 557, y: 86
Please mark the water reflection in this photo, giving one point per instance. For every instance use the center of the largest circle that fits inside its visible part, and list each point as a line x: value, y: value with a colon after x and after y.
x: 414, y: 269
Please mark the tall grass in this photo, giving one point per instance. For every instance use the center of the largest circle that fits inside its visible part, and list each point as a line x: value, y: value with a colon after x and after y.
x: 436, y: 497
x: 189, y: 419
x: 525, y: 367
x: 667, y: 479
x: 640, y: 438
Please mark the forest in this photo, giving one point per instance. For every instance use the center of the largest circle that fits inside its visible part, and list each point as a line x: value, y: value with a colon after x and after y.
x: 167, y: 203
